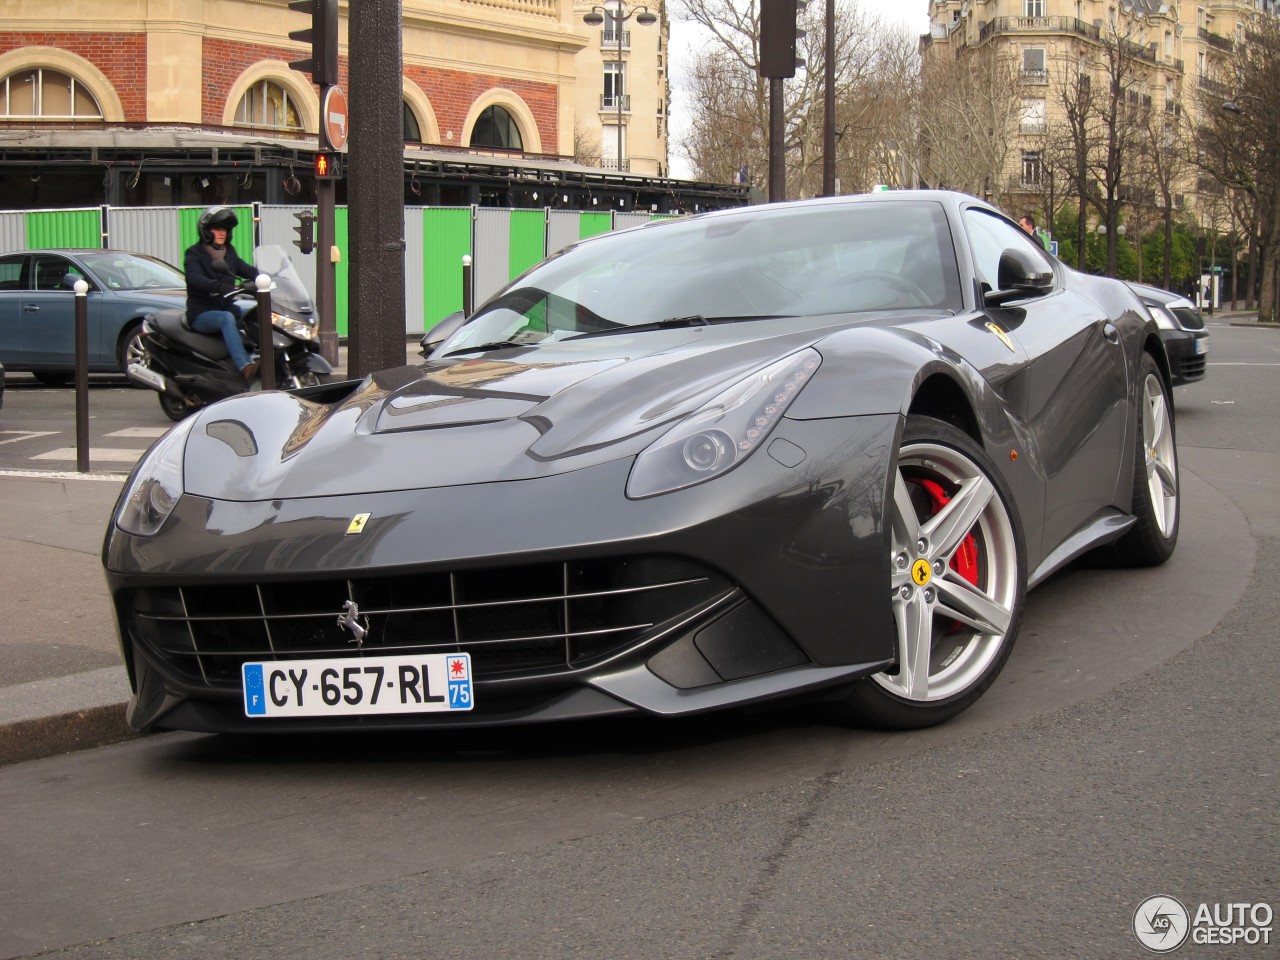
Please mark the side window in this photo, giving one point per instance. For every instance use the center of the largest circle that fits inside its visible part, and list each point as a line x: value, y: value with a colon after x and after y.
x: 11, y: 273
x: 49, y: 271
x: 989, y: 237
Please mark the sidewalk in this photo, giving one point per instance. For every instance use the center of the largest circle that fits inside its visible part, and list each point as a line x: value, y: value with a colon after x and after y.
x: 63, y: 684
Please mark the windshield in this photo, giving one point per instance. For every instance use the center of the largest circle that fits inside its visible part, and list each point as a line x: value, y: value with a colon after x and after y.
x: 754, y: 263
x: 133, y: 271
x: 290, y: 295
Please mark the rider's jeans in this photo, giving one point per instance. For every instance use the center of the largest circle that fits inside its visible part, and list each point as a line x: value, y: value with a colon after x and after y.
x: 224, y: 322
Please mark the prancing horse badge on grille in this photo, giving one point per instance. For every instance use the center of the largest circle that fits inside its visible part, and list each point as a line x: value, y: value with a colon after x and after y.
x: 349, y: 619
x: 357, y: 523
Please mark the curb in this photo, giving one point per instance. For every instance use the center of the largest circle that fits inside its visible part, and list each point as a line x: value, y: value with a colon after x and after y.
x: 43, y: 718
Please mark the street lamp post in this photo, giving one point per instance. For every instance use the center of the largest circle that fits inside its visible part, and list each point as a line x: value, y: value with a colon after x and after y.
x: 595, y: 18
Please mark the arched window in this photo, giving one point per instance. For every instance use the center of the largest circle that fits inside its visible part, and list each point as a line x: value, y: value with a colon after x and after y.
x: 267, y: 104
x: 44, y: 94
x: 495, y: 127
x: 412, y: 132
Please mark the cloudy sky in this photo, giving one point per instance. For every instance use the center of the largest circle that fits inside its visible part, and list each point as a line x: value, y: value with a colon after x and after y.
x: 686, y: 39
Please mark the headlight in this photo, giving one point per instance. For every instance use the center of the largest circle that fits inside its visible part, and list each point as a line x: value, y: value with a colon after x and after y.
x: 298, y: 329
x: 156, y: 485
x: 1163, y: 318
x: 724, y: 432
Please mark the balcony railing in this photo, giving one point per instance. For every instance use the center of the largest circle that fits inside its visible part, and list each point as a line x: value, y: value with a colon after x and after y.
x: 622, y: 166
x: 1213, y: 40
x: 1214, y: 87
x: 1060, y: 25
x: 609, y: 39
x: 1035, y: 76
x: 611, y: 102
x: 1032, y: 126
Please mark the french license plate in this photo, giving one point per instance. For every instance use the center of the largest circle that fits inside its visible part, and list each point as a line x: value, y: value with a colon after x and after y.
x: 1202, y: 346
x: 345, y: 686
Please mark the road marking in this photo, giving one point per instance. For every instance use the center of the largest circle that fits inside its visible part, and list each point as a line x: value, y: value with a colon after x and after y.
x: 95, y: 453
x: 28, y: 435
x: 62, y: 475
x: 151, y: 432
x: 1240, y: 363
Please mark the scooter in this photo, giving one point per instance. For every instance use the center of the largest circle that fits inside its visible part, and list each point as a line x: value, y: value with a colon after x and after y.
x: 190, y: 369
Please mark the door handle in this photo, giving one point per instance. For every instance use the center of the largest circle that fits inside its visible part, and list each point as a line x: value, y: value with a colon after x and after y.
x: 30, y: 308
x: 1110, y: 332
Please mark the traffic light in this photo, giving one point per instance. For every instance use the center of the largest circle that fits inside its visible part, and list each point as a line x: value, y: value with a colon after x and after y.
x: 328, y: 165
x: 323, y: 37
x: 306, y: 230
x: 778, y: 36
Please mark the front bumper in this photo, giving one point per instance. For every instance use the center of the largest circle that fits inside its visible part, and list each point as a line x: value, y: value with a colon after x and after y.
x: 1188, y: 352
x: 772, y: 581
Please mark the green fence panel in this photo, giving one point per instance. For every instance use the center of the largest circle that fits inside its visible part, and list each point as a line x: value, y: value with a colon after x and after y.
x: 64, y: 228
x: 188, y: 231
x: 342, y: 269
x: 528, y: 240
x: 446, y: 238
x: 591, y: 224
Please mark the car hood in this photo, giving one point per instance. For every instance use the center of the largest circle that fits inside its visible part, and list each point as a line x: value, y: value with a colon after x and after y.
x: 512, y: 414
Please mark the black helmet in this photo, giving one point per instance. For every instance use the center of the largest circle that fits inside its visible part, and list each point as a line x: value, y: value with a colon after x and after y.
x: 223, y: 217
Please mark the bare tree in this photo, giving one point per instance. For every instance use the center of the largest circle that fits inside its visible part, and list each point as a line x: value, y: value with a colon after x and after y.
x: 968, y: 108
x: 730, y: 102
x: 1239, y: 145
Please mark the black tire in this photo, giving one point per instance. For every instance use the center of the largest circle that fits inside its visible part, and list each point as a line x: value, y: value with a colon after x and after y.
x: 54, y: 378
x: 1156, y: 501
x: 175, y: 410
x: 944, y: 593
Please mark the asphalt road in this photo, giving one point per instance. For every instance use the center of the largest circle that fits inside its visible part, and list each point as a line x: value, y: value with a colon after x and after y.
x: 1129, y: 749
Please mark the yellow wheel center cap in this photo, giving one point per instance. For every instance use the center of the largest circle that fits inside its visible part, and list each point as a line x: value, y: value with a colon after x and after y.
x: 921, y: 572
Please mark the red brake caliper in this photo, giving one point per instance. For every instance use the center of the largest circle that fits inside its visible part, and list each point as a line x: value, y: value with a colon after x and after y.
x: 965, y: 561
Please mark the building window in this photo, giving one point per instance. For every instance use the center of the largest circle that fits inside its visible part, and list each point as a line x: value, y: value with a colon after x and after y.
x: 615, y: 87
x: 45, y: 94
x: 268, y: 104
x: 1032, y: 118
x: 1033, y: 8
x: 1033, y: 65
x: 412, y: 132
x: 1032, y: 169
x: 495, y: 127
x: 1168, y: 43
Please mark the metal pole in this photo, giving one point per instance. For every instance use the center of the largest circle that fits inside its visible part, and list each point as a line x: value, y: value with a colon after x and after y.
x: 82, y: 376
x: 829, y: 106
x: 466, y: 285
x: 617, y: 82
x: 777, y: 172
x: 326, y: 280
x: 266, y: 342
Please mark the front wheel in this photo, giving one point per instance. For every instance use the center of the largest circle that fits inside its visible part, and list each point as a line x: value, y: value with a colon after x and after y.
x: 957, y: 580
x: 1150, y: 541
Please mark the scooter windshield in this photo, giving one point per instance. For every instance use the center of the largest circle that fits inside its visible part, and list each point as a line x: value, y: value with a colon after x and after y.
x: 290, y: 295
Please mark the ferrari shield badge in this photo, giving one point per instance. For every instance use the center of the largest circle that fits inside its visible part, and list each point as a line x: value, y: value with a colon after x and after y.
x: 357, y: 523
x: 999, y: 332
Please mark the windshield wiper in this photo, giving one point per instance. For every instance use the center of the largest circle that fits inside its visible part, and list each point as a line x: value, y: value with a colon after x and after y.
x: 482, y: 347
x: 670, y: 323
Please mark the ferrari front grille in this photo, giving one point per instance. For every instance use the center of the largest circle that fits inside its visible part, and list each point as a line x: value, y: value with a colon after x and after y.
x: 513, y: 621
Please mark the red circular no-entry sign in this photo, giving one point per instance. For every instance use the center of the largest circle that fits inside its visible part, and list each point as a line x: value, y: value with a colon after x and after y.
x: 334, y: 119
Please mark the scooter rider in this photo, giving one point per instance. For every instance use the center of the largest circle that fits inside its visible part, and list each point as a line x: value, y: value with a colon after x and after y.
x: 212, y: 266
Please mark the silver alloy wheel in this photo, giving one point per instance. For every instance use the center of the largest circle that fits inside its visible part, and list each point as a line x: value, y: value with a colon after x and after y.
x: 1161, y: 455
x: 135, y: 351
x: 950, y: 630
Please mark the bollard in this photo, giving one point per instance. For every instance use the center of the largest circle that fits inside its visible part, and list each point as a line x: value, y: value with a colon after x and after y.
x: 266, y: 341
x: 466, y: 285
x: 82, y: 376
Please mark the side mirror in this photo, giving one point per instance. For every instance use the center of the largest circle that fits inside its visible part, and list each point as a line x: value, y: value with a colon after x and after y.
x: 441, y: 332
x: 1020, y: 276
x: 69, y: 281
